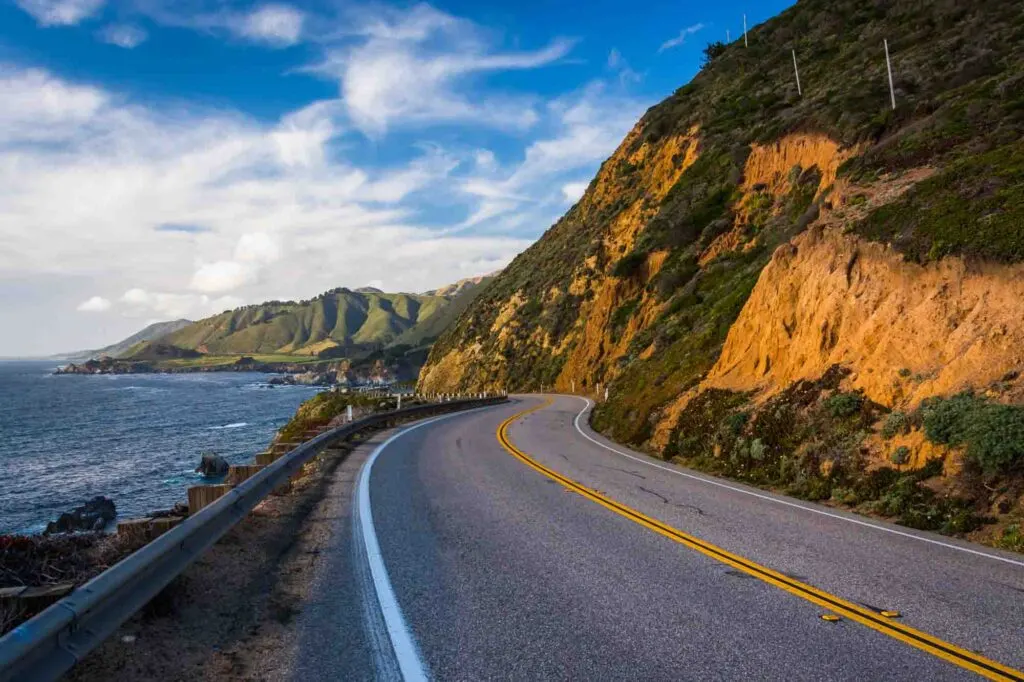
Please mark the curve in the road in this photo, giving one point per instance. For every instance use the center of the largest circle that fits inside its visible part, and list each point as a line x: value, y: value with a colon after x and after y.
x: 776, y: 500
x: 916, y: 638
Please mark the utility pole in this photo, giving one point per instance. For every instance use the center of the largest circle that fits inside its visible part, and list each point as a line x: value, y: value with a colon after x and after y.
x: 745, y: 43
x: 888, y: 67
x: 796, y: 71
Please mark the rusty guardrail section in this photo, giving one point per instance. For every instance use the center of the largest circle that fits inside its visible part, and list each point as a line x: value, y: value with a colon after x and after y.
x: 50, y: 643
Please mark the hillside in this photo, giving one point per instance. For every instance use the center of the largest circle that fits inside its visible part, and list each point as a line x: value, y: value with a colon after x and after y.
x: 800, y: 290
x: 149, y: 333
x: 334, y: 324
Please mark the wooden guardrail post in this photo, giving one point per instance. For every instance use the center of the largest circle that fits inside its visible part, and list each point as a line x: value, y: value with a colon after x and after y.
x: 201, y: 495
x: 240, y: 472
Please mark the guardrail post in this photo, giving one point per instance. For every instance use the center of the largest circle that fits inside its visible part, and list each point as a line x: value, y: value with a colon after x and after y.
x: 201, y: 495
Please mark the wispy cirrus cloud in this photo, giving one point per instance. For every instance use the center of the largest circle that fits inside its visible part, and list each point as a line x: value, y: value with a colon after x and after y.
x: 189, y: 210
x: 127, y: 36
x: 60, y: 12
x: 681, y: 38
x: 411, y: 68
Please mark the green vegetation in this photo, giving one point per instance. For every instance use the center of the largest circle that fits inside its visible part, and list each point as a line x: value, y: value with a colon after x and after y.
x: 973, y: 208
x: 992, y: 433
x: 1011, y: 538
x: 810, y: 447
x: 340, y: 318
x: 323, y: 407
x: 895, y: 424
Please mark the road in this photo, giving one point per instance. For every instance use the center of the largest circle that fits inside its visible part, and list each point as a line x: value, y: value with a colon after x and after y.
x: 561, y: 555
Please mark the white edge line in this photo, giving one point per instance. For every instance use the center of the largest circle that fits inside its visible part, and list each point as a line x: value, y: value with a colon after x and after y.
x: 677, y: 472
x: 410, y: 663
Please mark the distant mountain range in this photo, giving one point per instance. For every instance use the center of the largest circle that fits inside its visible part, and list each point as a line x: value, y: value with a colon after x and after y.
x: 150, y: 333
x: 364, y: 325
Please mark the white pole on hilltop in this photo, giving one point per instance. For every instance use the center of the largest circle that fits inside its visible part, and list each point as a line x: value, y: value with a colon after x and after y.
x: 796, y: 71
x: 399, y: 402
x: 888, y: 67
x: 728, y: 38
x: 348, y: 413
x: 745, y: 43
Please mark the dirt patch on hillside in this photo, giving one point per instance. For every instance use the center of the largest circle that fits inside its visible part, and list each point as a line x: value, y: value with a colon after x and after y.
x: 907, y: 331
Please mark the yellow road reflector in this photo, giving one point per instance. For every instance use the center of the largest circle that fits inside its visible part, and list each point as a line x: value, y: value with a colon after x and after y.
x: 830, y: 617
x: 878, y: 622
x: 891, y: 614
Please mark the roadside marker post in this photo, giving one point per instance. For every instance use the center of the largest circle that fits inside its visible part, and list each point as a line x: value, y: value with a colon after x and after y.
x: 796, y: 72
x: 888, y: 68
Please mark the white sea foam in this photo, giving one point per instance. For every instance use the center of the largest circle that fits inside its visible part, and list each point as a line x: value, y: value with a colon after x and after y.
x: 236, y: 425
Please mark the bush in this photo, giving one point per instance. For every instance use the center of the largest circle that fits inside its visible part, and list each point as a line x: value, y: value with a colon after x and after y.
x: 895, y: 424
x: 992, y: 433
x: 900, y: 456
x: 843, y: 405
x: 1012, y: 538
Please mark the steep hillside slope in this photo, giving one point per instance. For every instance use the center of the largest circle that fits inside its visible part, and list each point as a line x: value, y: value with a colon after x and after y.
x: 331, y: 325
x: 895, y: 279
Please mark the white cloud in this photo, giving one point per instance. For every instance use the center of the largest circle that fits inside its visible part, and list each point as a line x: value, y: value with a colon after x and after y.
x: 60, y: 12
x: 412, y: 68
x: 573, y: 191
x: 192, y: 210
x: 681, y: 38
x: 127, y: 36
x: 221, y: 276
x: 279, y: 25
x: 96, y: 304
x: 258, y: 248
x: 139, y: 302
x: 588, y: 126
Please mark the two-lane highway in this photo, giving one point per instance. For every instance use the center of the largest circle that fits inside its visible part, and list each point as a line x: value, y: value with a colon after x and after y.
x: 515, y: 543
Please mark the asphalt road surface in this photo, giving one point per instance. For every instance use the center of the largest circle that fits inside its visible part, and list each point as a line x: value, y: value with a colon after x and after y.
x: 565, y: 556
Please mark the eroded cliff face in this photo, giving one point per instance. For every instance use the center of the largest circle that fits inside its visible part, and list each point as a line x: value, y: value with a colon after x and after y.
x: 907, y: 331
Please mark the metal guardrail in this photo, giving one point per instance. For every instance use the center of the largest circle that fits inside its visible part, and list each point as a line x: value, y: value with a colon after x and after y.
x: 49, y: 644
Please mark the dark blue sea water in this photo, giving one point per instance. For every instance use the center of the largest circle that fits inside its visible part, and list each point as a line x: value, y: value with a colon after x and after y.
x: 133, y: 438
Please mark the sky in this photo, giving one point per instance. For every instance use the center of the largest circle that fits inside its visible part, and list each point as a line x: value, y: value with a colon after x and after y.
x: 164, y: 159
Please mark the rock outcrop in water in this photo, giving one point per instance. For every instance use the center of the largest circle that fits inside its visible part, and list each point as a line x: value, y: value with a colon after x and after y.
x: 212, y: 464
x: 93, y: 515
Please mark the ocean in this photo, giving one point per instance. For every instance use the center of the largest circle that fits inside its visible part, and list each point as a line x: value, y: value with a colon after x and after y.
x: 135, y: 438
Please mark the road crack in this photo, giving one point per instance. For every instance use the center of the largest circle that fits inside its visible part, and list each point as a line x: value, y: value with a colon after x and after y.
x: 700, y: 512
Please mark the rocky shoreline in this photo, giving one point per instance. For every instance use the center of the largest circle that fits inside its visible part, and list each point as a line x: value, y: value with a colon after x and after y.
x: 320, y: 373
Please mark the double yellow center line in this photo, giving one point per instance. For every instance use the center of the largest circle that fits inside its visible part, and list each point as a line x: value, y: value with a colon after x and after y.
x: 915, y: 638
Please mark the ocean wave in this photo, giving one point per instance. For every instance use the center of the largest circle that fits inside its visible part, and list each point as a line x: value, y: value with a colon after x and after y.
x: 235, y: 425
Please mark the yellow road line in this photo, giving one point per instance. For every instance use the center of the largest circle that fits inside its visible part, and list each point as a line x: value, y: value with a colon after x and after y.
x: 915, y: 638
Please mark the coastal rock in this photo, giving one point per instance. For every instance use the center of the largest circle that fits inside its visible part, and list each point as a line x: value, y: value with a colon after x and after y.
x: 286, y: 380
x: 93, y: 515
x: 212, y: 465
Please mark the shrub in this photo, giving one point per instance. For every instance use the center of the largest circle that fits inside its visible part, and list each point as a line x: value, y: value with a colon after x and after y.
x: 900, y: 456
x: 992, y: 433
x: 843, y: 405
x: 895, y: 424
x: 1012, y: 538
x: 712, y: 51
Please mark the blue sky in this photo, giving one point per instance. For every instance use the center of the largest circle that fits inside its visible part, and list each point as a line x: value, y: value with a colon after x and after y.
x: 168, y: 159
